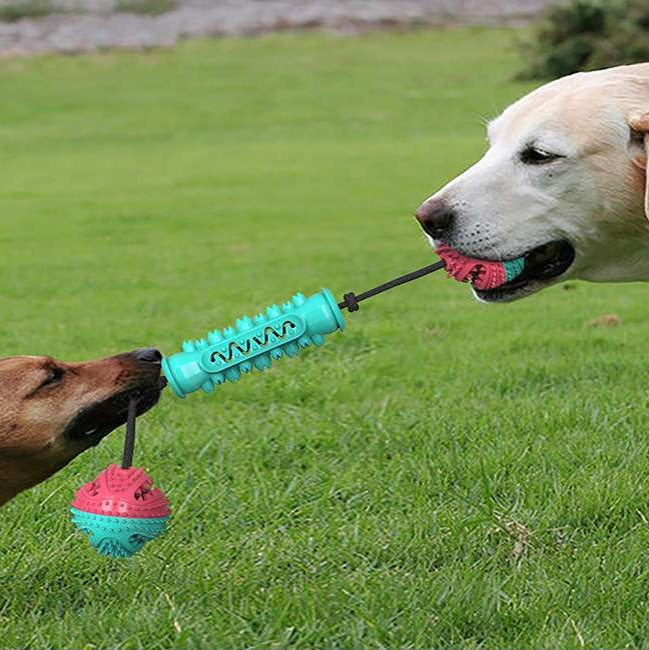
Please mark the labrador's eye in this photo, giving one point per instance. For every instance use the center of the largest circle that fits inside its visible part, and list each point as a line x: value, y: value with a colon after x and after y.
x: 54, y: 376
x: 536, y: 156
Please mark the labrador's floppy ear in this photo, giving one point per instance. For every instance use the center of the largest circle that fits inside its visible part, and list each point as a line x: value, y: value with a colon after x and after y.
x: 639, y: 124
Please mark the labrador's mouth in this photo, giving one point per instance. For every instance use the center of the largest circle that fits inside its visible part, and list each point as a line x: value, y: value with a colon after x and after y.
x: 543, y: 266
x: 96, y: 421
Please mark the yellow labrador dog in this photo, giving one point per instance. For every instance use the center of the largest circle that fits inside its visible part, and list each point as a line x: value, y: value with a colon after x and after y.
x: 563, y: 183
x: 52, y: 411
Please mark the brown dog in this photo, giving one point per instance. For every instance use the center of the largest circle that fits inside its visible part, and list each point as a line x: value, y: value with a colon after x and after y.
x: 51, y: 411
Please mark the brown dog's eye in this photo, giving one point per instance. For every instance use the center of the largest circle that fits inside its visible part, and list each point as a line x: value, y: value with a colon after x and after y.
x: 534, y: 156
x: 54, y: 377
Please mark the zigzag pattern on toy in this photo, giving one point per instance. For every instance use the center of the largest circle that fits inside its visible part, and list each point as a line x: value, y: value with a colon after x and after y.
x: 269, y: 335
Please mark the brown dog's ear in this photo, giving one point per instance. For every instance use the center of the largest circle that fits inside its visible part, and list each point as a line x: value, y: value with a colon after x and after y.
x: 639, y: 124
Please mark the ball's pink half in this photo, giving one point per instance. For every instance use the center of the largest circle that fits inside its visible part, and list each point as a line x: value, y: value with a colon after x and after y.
x: 118, y: 492
x: 482, y: 274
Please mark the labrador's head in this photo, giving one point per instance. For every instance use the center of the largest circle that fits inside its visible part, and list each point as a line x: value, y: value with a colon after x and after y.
x: 51, y: 411
x: 563, y: 183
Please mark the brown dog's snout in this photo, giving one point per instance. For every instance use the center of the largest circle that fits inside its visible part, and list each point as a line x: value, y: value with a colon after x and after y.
x: 435, y: 217
x: 148, y: 355
x: 149, y: 361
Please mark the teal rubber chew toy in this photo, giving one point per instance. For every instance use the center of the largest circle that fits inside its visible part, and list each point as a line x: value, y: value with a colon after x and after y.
x: 253, y: 343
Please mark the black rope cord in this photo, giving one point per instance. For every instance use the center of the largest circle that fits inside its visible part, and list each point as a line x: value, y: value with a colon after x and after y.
x: 351, y: 300
x: 129, y: 441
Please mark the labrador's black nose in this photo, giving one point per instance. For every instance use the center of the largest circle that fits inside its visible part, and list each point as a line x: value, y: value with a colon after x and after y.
x: 148, y: 355
x: 436, y: 217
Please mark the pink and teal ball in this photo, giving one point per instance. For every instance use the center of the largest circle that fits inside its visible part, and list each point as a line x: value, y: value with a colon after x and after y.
x: 120, y: 511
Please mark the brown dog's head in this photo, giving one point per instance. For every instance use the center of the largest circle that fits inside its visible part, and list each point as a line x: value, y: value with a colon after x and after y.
x: 52, y: 411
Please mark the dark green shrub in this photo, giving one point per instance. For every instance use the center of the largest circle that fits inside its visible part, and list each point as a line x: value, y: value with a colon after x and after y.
x: 146, y: 7
x: 586, y: 35
x: 12, y: 13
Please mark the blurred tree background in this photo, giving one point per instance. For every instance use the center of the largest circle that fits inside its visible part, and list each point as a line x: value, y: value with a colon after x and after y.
x: 587, y: 35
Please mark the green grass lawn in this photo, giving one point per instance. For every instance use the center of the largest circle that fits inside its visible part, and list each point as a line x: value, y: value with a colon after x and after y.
x: 442, y: 474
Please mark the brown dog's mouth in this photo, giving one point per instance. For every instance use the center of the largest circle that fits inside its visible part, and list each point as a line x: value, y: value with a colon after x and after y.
x: 96, y: 421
